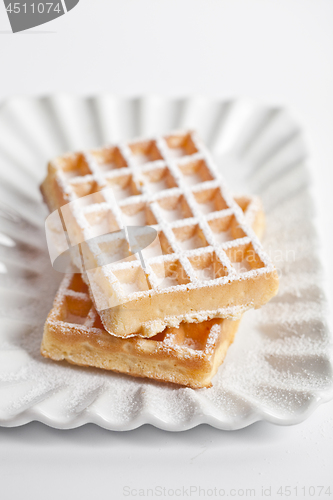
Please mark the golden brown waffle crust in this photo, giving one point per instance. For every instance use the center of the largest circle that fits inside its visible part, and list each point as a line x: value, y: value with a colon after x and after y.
x: 149, y: 311
x: 136, y: 310
x: 189, y: 355
x: 255, y: 217
x: 169, y: 360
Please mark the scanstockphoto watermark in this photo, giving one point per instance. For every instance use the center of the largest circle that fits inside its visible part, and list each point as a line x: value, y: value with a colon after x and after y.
x: 263, y: 491
x: 241, y: 259
x: 187, y: 492
x: 283, y: 259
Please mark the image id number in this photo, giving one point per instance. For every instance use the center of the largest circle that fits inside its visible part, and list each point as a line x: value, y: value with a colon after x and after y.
x: 312, y: 491
x: 17, y: 7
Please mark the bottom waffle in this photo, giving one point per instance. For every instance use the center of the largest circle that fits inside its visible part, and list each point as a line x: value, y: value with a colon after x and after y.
x: 189, y: 355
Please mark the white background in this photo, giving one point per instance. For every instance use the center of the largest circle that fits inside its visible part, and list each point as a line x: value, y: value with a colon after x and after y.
x: 275, y: 52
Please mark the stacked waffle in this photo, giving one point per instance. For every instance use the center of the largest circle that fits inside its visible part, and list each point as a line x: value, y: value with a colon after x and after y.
x: 169, y: 310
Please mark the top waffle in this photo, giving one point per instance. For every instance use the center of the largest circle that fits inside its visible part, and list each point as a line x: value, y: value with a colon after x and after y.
x: 205, y: 263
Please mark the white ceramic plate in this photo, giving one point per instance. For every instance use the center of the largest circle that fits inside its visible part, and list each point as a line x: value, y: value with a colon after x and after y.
x: 279, y: 367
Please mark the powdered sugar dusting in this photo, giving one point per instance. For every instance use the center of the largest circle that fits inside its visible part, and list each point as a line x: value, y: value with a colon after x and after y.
x: 259, y: 360
x: 133, y: 202
x: 278, y: 367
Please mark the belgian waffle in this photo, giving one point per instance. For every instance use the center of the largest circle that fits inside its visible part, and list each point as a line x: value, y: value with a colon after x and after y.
x: 189, y: 355
x: 212, y: 265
